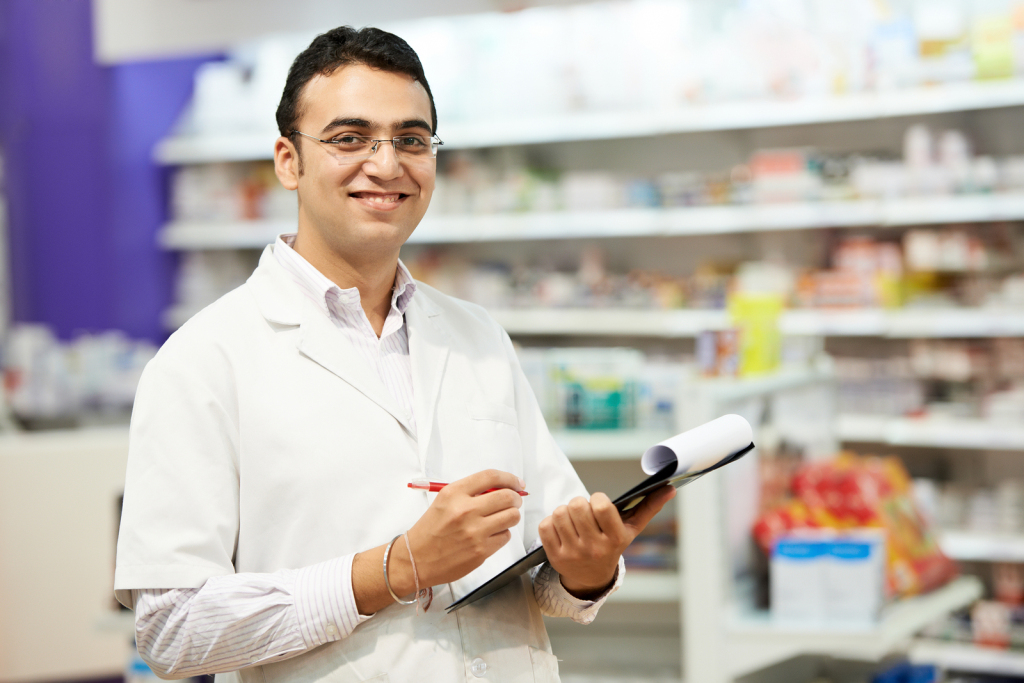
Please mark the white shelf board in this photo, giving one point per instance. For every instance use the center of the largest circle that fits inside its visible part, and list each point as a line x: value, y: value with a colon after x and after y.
x: 610, y: 321
x: 649, y: 586
x: 937, y: 432
x: 966, y: 657
x: 707, y: 220
x: 602, y: 125
x: 980, y: 546
x: 755, y: 641
x: 725, y: 390
x: 608, y: 444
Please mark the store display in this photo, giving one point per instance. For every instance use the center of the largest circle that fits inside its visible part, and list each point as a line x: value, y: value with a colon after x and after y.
x: 850, y: 492
x: 53, y: 383
x: 604, y: 388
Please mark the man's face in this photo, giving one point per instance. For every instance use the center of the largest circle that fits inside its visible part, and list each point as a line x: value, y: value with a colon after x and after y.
x: 368, y: 207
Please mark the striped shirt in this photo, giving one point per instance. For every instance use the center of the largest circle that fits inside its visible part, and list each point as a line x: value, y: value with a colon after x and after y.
x: 242, y: 620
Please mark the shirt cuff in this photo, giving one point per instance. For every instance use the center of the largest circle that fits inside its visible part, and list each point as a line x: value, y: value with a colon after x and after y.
x: 556, y: 601
x: 325, y: 602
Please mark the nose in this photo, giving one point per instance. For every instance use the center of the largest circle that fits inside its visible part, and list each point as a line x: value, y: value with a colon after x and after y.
x: 384, y: 163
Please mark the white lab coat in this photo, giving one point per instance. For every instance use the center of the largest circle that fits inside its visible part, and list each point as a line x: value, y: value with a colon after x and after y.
x: 260, y: 440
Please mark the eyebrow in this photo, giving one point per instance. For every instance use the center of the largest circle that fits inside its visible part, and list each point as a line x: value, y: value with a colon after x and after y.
x: 363, y: 123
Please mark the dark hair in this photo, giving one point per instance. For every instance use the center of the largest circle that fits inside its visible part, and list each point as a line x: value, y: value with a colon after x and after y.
x: 346, y: 45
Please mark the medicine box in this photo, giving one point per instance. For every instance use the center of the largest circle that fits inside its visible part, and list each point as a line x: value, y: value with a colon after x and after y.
x: 825, y: 576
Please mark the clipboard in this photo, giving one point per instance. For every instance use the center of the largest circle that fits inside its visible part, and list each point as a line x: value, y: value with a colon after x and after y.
x: 679, y: 461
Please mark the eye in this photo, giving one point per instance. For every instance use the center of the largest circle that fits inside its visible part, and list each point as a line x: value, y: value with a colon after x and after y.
x: 347, y: 140
x: 411, y: 141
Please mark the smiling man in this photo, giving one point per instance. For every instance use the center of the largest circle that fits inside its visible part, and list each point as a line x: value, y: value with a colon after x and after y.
x: 268, y: 527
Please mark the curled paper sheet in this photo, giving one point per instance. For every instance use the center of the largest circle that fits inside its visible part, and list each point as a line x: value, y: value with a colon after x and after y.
x: 701, y: 447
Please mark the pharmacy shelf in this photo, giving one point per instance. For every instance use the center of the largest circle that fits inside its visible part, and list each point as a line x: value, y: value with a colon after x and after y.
x: 610, y: 321
x: 707, y: 220
x: 754, y: 641
x: 966, y: 658
x: 117, y: 622
x: 603, y: 125
x: 684, y: 323
x: 935, y: 432
x: 981, y: 546
x: 608, y: 444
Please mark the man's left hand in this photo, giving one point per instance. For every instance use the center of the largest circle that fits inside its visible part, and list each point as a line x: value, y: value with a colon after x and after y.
x: 584, y: 539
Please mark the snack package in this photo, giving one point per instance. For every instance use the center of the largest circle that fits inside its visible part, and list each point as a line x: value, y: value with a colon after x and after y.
x: 851, y: 492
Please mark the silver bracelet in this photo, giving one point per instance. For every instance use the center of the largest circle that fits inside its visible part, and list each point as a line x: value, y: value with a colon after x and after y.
x: 387, y: 553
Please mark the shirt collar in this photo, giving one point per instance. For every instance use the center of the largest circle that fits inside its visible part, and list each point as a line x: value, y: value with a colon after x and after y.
x: 322, y: 290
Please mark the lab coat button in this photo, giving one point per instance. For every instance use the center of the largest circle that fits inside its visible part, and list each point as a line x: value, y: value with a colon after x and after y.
x: 478, y: 667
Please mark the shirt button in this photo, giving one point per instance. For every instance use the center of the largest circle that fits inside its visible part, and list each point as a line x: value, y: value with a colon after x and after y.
x: 331, y: 630
x: 478, y: 667
x: 254, y: 659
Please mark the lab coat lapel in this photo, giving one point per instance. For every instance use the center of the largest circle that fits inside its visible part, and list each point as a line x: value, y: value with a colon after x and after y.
x: 428, y: 355
x: 318, y: 339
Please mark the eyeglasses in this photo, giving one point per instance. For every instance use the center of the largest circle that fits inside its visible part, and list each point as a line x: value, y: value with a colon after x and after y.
x: 353, y: 148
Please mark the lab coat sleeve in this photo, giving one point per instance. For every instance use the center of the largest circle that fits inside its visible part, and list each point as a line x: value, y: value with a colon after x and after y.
x: 244, y: 619
x: 179, y: 521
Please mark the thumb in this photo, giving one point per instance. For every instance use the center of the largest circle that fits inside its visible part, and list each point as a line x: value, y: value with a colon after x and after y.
x: 643, y: 513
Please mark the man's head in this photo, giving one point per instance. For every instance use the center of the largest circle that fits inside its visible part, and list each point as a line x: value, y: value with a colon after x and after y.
x: 345, y: 45
x: 351, y: 85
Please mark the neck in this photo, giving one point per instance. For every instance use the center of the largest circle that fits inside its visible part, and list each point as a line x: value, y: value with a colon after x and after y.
x: 372, y: 274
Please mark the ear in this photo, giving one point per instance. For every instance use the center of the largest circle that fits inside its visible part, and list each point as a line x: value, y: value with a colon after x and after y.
x: 287, y: 164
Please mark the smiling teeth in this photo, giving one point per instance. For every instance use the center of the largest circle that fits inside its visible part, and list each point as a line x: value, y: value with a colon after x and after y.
x: 383, y: 199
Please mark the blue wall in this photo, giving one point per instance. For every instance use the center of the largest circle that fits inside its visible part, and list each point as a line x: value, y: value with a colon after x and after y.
x: 85, y: 200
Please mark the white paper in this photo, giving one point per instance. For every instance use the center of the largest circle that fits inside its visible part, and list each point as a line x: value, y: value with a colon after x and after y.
x: 701, y: 447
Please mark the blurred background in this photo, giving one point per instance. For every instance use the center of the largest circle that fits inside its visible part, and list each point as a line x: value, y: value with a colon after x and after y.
x: 807, y: 212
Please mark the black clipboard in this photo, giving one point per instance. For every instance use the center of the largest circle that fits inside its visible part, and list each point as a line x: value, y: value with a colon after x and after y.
x: 624, y: 503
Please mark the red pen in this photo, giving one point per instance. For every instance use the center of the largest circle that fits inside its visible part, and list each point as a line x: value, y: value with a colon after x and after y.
x: 435, y: 486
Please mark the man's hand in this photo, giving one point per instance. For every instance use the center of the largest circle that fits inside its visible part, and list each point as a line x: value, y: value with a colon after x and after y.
x: 584, y: 539
x: 464, y: 526
x: 461, y: 528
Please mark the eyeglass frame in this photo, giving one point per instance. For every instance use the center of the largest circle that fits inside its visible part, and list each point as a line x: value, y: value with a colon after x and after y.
x: 376, y: 142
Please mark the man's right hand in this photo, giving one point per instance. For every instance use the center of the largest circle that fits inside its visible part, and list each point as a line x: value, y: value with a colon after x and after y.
x: 464, y: 526
x: 461, y: 528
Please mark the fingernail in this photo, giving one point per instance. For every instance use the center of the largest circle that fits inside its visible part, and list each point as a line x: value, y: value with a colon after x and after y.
x: 522, y: 484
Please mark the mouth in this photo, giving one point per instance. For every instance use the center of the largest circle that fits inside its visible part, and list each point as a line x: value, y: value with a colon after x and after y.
x: 380, y: 201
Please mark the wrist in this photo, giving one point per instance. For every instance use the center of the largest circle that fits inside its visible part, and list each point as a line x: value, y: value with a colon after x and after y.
x: 588, y: 590
x: 400, y: 570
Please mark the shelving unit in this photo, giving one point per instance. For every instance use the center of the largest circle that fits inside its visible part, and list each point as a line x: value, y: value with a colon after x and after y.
x: 980, y: 546
x: 937, y: 432
x: 649, y: 586
x: 966, y: 657
x: 669, y: 222
x: 604, y: 125
x: 754, y: 641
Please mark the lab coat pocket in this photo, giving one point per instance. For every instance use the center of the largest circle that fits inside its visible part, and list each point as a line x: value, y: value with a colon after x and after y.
x: 545, y: 666
x: 494, y: 442
x: 488, y: 410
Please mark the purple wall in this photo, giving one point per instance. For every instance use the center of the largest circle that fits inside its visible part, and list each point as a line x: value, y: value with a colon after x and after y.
x: 85, y: 200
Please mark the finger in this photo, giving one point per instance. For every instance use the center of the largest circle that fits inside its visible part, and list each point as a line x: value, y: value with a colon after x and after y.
x: 477, y: 483
x: 583, y: 518
x: 496, y: 501
x: 567, y: 532
x: 607, y: 516
x: 549, y: 535
x: 645, y: 511
x: 500, y: 521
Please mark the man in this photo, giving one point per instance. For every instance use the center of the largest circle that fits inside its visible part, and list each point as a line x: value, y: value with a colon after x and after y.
x: 275, y: 433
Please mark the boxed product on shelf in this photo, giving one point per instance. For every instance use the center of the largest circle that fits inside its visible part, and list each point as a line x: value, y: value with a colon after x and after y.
x: 654, y: 548
x: 603, y: 388
x: 49, y: 382
x: 826, y: 575
x: 852, y: 492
